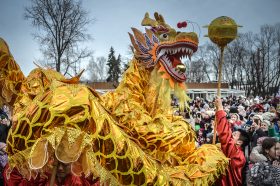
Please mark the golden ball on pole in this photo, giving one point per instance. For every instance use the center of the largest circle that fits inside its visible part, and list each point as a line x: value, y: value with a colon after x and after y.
x: 222, y: 30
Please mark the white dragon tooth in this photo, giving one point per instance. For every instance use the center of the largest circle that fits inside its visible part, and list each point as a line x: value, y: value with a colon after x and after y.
x: 166, y: 51
x: 190, y: 57
x: 191, y: 51
x: 161, y: 53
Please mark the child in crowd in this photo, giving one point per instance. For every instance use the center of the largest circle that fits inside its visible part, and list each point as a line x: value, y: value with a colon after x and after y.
x: 232, y: 144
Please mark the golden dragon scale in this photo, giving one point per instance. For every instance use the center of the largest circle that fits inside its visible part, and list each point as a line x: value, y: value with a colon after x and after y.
x: 125, y: 137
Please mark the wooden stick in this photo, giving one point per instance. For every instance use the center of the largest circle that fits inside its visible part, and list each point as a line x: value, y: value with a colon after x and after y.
x: 55, y: 164
x: 219, y: 89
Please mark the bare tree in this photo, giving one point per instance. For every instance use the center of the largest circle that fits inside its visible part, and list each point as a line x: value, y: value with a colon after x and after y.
x: 235, y: 55
x: 195, y: 71
x: 61, y: 28
x: 276, y: 66
x: 213, y: 57
x: 202, y: 56
x: 97, y: 69
x: 251, y: 62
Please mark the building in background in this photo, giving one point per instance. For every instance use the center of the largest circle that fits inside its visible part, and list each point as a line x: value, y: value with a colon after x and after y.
x: 203, y: 90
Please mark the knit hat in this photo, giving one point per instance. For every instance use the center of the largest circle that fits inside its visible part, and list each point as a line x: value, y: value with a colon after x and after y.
x: 258, y: 117
x: 268, y: 115
x: 266, y: 122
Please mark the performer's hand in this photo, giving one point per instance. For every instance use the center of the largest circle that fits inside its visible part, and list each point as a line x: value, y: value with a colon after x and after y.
x: 218, y: 104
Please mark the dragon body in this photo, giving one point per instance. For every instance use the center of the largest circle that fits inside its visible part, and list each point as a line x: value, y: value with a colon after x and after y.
x: 125, y: 137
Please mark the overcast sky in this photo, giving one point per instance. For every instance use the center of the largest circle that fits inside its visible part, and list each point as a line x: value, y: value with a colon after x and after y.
x: 114, y: 18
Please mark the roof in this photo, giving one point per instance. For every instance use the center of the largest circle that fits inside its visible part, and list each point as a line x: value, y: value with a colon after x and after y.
x: 111, y: 86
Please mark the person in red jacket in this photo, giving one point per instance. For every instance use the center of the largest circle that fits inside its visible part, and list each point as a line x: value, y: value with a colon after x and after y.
x: 232, y: 144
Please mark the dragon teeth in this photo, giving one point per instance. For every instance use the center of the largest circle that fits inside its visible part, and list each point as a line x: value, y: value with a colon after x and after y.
x: 183, y: 50
x: 191, y: 52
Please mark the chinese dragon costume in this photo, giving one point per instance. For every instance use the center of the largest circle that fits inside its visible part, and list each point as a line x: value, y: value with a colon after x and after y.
x: 125, y: 137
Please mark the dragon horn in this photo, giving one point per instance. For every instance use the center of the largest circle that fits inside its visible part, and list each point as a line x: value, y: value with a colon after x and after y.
x: 147, y: 21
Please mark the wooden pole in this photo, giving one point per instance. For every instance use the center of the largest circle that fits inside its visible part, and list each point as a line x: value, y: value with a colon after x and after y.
x: 219, y: 89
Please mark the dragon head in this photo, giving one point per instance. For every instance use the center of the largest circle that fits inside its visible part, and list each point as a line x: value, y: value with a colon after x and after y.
x: 162, y: 47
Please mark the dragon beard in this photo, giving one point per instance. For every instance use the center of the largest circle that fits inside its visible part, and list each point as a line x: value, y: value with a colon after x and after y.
x: 164, y: 90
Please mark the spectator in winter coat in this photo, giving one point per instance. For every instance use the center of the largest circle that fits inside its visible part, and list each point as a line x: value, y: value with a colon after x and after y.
x: 267, y: 172
x: 257, y: 154
x: 256, y: 131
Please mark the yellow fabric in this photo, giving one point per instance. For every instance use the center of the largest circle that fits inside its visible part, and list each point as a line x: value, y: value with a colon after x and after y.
x: 166, y: 138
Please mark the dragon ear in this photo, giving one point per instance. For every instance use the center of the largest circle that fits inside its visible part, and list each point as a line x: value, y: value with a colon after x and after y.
x: 138, y: 35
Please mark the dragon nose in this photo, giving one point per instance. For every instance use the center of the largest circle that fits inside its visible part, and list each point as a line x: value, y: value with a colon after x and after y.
x: 181, y: 68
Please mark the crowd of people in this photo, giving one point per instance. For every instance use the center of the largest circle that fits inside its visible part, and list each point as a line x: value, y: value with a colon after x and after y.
x: 256, y: 119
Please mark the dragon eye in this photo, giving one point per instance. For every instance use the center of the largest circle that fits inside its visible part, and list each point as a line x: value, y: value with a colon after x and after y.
x: 163, y: 36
